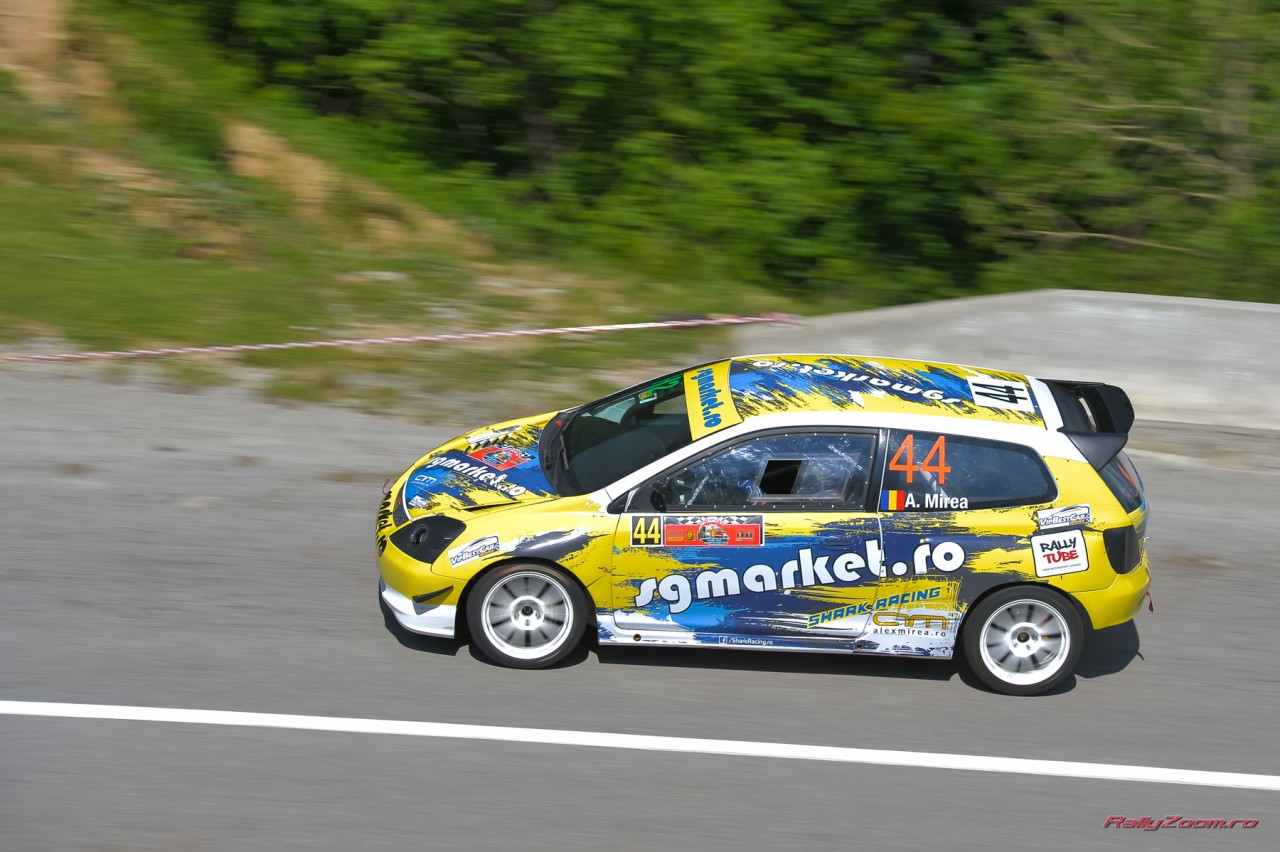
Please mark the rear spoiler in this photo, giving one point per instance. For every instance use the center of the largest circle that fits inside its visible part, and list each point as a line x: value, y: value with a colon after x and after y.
x: 1096, y: 417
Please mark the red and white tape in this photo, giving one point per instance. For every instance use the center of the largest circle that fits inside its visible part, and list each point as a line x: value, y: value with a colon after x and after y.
x: 387, y: 341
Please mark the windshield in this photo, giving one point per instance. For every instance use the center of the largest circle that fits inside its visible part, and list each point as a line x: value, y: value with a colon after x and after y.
x: 608, y: 439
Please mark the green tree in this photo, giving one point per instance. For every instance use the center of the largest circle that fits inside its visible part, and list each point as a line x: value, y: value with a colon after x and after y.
x: 893, y: 149
x: 1147, y: 156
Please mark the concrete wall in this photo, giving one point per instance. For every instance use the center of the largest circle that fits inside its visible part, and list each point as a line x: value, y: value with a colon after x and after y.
x: 1189, y: 360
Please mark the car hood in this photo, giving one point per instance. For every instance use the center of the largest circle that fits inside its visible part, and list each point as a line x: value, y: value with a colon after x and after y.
x: 490, y: 468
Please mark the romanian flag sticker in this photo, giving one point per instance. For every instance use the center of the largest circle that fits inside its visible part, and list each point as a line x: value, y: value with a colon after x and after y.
x: 893, y: 500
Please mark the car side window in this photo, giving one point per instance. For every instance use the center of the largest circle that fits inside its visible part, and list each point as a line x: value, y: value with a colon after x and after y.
x: 798, y: 470
x: 926, y: 471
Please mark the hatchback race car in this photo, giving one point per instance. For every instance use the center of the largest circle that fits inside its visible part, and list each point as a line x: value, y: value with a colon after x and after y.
x: 785, y: 502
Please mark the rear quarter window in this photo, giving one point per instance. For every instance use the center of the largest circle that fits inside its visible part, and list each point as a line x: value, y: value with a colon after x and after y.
x: 927, y: 471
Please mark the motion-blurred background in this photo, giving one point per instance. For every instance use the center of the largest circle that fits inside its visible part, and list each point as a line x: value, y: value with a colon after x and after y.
x: 179, y: 172
x: 195, y: 172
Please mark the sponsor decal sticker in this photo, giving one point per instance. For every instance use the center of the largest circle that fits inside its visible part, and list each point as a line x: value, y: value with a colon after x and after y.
x: 646, y: 531
x: 385, y: 522
x: 706, y: 393
x: 416, y: 490
x: 499, y: 457
x: 745, y: 640
x: 474, y: 550
x: 805, y: 570
x: 384, y: 512
x: 1059, y: 553
x: 908, y: 623
x: 697, y: 531
x: 998, y: 393
x: 876, y: 384
x: 480, y: 474
x: 658, y: 387
x: 903, y: 599
x: 1067, y: 516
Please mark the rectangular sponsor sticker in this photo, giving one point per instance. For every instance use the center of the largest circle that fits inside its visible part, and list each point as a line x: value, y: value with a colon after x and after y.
x: 646, y: 531
x: 707, y: 397
x: 999, y: 393
x: 697, y: 531
x: 714, y: 531
x: 1067, y: 516
x: 1059, y: 553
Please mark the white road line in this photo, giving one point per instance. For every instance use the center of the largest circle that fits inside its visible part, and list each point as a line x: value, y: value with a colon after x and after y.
x: 686, y: 745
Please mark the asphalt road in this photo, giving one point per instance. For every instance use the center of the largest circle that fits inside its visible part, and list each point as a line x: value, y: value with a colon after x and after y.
x: 209, y: 551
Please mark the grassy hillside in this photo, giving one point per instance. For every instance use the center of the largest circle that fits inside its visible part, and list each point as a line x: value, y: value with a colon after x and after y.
x: 147, y: 201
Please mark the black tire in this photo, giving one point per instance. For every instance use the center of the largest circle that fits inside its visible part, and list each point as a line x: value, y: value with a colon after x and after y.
x: 1023, y: 640
x: 527, y: 616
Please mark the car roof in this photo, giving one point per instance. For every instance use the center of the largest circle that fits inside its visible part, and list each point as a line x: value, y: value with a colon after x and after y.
x: 772, y: 384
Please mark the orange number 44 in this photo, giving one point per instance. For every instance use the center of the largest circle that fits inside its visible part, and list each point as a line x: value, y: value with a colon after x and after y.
x: 935, y: 461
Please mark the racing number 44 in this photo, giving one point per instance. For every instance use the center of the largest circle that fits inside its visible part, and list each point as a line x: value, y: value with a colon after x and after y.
x: 935, y: 461
x: 646, y: 531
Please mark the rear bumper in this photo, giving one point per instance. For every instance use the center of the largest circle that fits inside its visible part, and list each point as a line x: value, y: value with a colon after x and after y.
x: 1120, y: 601
x: 427, y: 619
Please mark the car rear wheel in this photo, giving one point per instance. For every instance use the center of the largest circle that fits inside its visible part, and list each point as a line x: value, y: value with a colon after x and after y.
x: 526, y: 616
x: 1024, y: 640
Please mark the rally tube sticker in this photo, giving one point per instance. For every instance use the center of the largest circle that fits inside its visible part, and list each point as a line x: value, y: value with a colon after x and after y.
x: 1060, y: 553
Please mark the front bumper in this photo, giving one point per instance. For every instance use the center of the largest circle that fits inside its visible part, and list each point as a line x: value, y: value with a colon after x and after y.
x: 427, y: 619
x: 1120, y: 601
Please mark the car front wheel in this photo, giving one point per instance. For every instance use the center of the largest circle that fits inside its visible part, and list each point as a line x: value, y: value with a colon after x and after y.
x: 1024, y: 640
x: 526, y: 616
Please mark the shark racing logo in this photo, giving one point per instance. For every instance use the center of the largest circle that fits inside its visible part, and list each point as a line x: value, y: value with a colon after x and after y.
x: 805, y: 570
x: 876, y: 609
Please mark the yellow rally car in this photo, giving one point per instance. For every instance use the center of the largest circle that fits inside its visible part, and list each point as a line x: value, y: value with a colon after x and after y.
x: 785, y: 502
